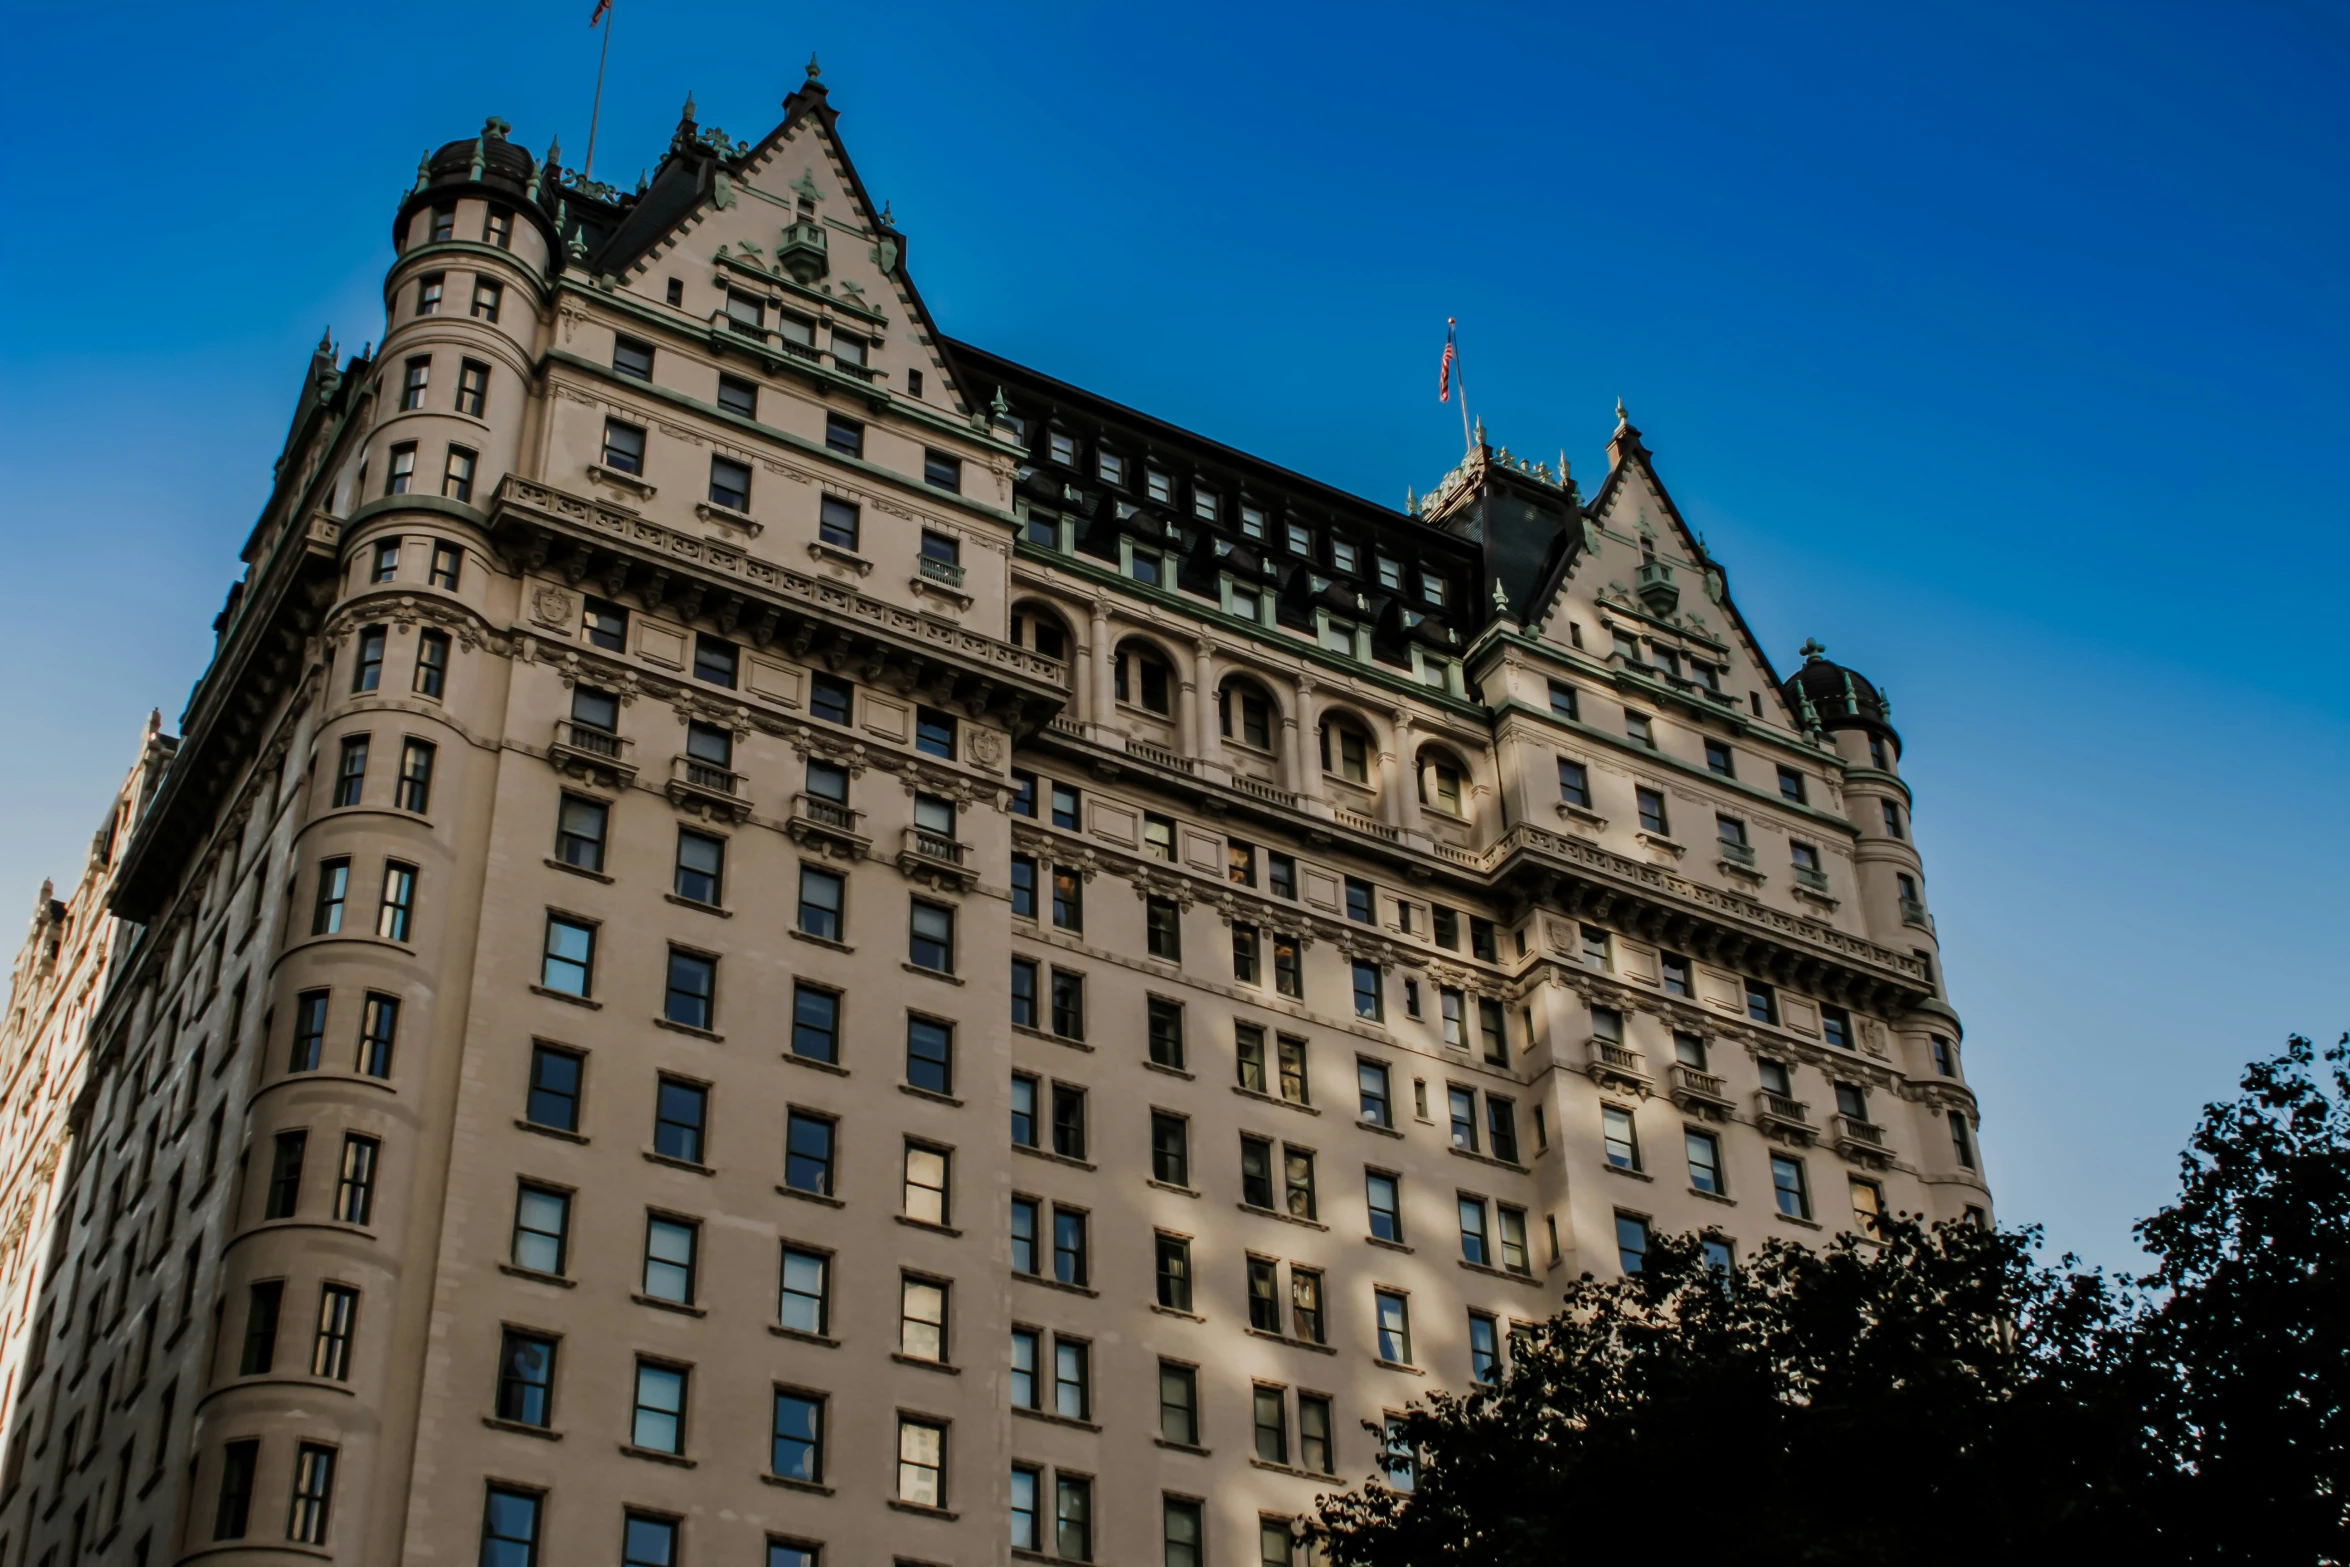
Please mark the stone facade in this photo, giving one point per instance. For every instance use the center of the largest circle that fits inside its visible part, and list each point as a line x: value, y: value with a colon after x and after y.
x: 771, y: 933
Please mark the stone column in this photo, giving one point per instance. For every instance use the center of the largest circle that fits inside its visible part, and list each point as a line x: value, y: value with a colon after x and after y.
x: 1405, y: 775
x: 1206, y: 738
x: 1104, y: 693
x: 1297, y: 735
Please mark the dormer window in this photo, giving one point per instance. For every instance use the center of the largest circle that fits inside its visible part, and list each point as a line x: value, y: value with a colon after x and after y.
x: 1111, y: 467
x: 1157, y: 485
x: 1062, y: 447
x: 1252, y: 521
x: 1342, y: 557
x: 1148, y: 568
x: 1301, y: 540
x: 1206, y: 505
x: 746, y: 313
x: 807, y: 206
x: 498, y: 228
x: 1390, y: 572
x: 1432, y: 589
x: 1338, y: 635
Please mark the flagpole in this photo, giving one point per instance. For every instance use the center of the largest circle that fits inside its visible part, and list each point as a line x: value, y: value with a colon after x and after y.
x: 597, y: 112
x: 1453, y: 335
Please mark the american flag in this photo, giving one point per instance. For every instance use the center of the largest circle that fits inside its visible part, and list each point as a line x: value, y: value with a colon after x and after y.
x: 601, y: 7
x: 1443, y: 371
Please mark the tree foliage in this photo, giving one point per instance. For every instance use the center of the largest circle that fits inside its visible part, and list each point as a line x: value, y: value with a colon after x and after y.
x: 1932, y: 1395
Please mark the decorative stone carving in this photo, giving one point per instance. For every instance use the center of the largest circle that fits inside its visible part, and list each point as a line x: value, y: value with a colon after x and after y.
x: 554, y: 607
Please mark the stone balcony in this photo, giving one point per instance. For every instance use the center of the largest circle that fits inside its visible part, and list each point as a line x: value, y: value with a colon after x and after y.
x: 1611, y: 1061
x: 708, y: 790
x: 936, y: 860
x: 1701, y: 1093
x: 1862, y: 1142
x: 827, y: 826
x: 1779, y: 1116
x: 594, y: 755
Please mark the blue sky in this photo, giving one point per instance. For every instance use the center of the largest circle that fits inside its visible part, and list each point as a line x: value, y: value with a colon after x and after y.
x: 2002, y: 347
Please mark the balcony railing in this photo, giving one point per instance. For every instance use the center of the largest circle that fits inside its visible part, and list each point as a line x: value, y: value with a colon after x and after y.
x: 829, y: 825
x: 1913, y: 911
x: 1817, y: 881
x: 945, y: 571
x: 1738, y: 853
x: 1364, y: 824
x: 1145, y: 750
x: 1782, y: 1116
x: 584, y: 751
x: 1855, y: 1138
x: 1703, y: 1092
x: 1614, y: 1061
x: 708, y: 787
x: 936, y: 858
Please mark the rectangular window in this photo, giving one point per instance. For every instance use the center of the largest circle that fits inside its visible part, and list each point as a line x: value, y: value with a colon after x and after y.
x: 526, y: 1379
x: 932, y: 937
x: 1027, y: 1523
x: 355, y: 1183
x: 1024, y: 1111
x: 624, y: 447
x: 1359, y: 900
x: 1705, y: 1162
x: 1893, y: 819
x: 1164, y: 1026
x: 1395, y: 1326
x: 1068, y: 1121
x: 647, y: 1541
x: 400, y: 472
x: 1163, y: 929
x: 1070, y: 1251
x: 1762, y: 1002
x: 413, y: 790
x: 922, y: 1318
x: 821, y: 895
x: 473, y: 395
x: 429, y: 289
x: 457, y: 474
x: 730, y: 484
x: 1462, y: 1106
x: 1371, y: 1081
x: 1476, y: 1243
x: 1945, y: 1057
x: 1489, y: 1031
x: 1501, y: 1128
x: 926, y: 1184
x: 815, y: 1023
x: 1640, y: 729
x: 922, y: 1462
x: 379, y: 1026
x: 1676, y: 973
x: 1484, y: 1348
x: 1068, y: 1004
x: 338, y: 1317
x: 1072, y: 1378
x: 1174, y: 1272
x: 1514, y: 1256
x: 680, y: 1112
x: 934, y: 733
x: 807, y: 1160
x: 930, y: 1054
x: 415, y: 375
x: 1652, y: 811
x: 1562, y: 701
x: 632, y: 358
x: 542, y: 1226
x: 1791, y: 784
x: 432, y: 664
x: 658, y: 1421
x: 1836, y: 1025
x: 1961, y: 1143
x: 1297, y: 1174
x: 1631, y: 1242
x: 309, y: 1030
x: 1574, y: 783
x: 510, y: 1528
x: 1368, y: 1003
x: 554, y: 1088
x: 284, y: 1192
x: 805, y: 1302
x: 1718, y: 759
x: 261, y: 1309
x: 942, y: 470
x: 1622, y: 1137
x: 1179, y: 1407
x: 1868, y: 1206
x: 1248, y: 1052
x: 1025, y: 987
x: 230, y: 1516
x: 1291, y: 1054
x: 350, y: 771
x: 1024, y: 886
x: 1025, y: 1218
x: 1787, y: 1181
x: 1264, y: 1296
x: 334, y: 883
x: 1170, y: 1149
x: 797, y: 1450
x: 691, y: 997
x: 1269, y: 1414
x: 1072, y: 1518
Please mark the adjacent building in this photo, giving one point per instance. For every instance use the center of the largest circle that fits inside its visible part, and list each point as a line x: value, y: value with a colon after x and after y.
x: 774, y: 938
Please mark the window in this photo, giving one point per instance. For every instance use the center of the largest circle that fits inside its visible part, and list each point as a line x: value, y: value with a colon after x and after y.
x: 1574, y: 783
x: 1640, y: 729
x: 432, y: 664
x: 1064, y: 806
x: 1297, y: 1167
x: 1621, y: 1136
x: 1179, y: 1410
x: 1359, y: 900
x: 338, y: 1314
x: 1170, y: 1149
x: 1514, y: 1256
x: 1353, y: 753
x: 1395, y: 1326
x: 1868, y: 1206
x: 542, y: 1228
x: 1489, y: 1028
x: 1024, y: 1235
x: 1893, y: 819
x: 237, y: 1463
x: 1069, y: 1245
x: 624, y: 447
x: 658, y: 1424
x: 1270, y: 1417
x: 510, y: 1528
x: 921, y: 1462
x: 1143, y: 678
x: 350, y: 771
x: 1165, y: 1032
x: 1024, y: 993
x: 942, y: 470
x: 738, y: 396
x: 1836, y: 1028
x: 1068, y: 898
x: 260, y: 1350
x: 1631, y: 1242
x: 934, y: 733
x: 1775, y: 1078
x: 845, y: 436
x: 805, y: 1302
x: 1718, y: 760
x: 1461, y: 1104
x: 1652, y: 811
x: 820, y: 903
x: 1945, y: 1057
x: 1163, y: 929
x: 415, y: 375
x: 1675, y: 968
x: 428, y: 293
x: 932, y: 943
x: 526, y: 1378
x: 367, y: 667
x: 384, y: 561
x: 1449, y: 1006
x: 798, y: 1450
x: 488, y: 295
x: 1174, y: 1272
x: 285, y: 1175
x: 632, y: 358
x: 1072, y: 1378
x: 1157, y: 485
x: 1366, y: 984
x: 1248, y: 1052
x: 1384, y: 1193
x: 1068, y: 1121
x: 413, y: 792
x: 1444, y: 787
x: 730, y: 484
x: 355, y: 1185
x: 1026, y: 1528
x: 1762, y: 1002
x: 1484, y: 1348
x: 1371, y: 1081
x: 379, y: 1024
x: 1476, y: 1245
x: 1794, y: 1196
x: 1791, y: 784
x: 807, y: 1160
x: 680, y: 1114
x: 400, y: 472
x: 926, y: 1184
x: 1705, y: 1162
x: 1244, y: 954
x: 473, y: 391
x: 1024, y: 886
x: 553, y: 1099
x: 922, y: 1318
x: 692, y: 991
x: 1961, y: 1144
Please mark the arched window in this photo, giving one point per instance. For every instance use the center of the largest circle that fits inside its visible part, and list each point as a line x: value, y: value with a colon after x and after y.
x: 1245, y: 714
x: 1040, y: 629
x: 1346, y: 751
x: 1143, y: 679
x: 1443, y: 783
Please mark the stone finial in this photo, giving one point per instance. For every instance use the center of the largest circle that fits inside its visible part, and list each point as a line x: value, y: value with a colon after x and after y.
x: 886, y: 220
x: 998, y: 406
x: 688, y: 114
x: 554, y: 152
x: 1622, y: 418
x: 424, y: 168
x: 495, y: 129
x: 813, y: 70
x: 1411, y: 502
x: 1811, y: 650
x: 326, y: 342
x: 1480, y: 432
x: 1501, y: 597
x: 1564, y: 470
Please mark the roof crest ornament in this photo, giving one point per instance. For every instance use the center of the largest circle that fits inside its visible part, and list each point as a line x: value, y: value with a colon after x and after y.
x: 423, y: 169
x: 1811, y: 650
x: 813, y: 70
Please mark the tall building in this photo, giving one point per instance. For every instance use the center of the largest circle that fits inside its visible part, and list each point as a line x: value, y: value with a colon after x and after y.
x: 773, y: 938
